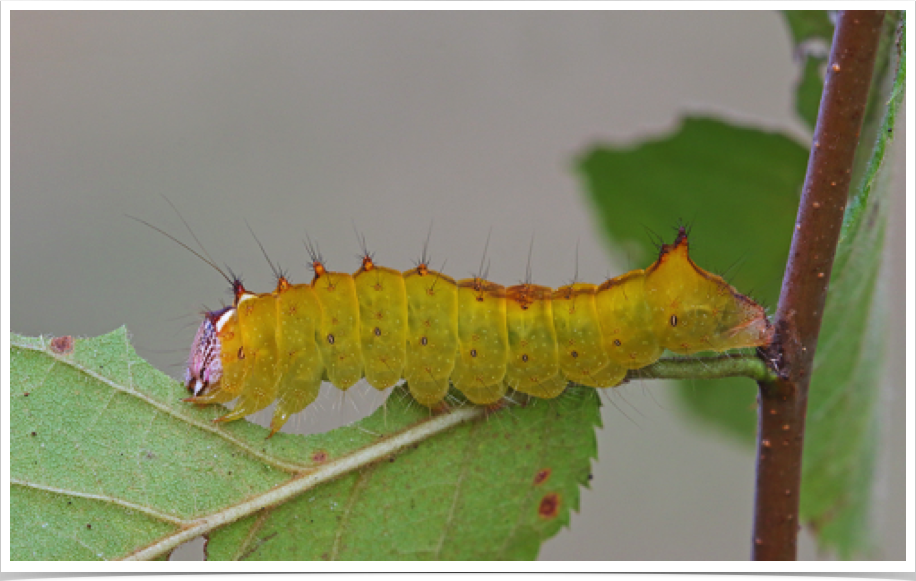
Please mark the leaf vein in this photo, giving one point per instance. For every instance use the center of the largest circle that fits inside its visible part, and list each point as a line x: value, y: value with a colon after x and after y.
x: 246, y: 548
x: 358, y: 487
x: 450, y: 519
x: 103, y: 498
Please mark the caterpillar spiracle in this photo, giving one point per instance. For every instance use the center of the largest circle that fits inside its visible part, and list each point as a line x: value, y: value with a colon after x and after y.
x: 485, y: 339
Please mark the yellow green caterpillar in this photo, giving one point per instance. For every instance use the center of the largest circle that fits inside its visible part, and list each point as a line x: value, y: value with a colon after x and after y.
x: 485, y: 339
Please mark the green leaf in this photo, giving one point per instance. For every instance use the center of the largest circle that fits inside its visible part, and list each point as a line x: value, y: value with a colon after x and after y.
x: 812, y: 33
x: 808, y: 25
x: 487, y: 490
x: 842, y: 433
x: 739, y: 187
x: 809, y: 89
x: 105, y: 460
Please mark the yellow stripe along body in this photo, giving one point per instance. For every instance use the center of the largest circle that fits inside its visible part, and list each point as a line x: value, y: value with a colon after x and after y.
x: 483, y: 338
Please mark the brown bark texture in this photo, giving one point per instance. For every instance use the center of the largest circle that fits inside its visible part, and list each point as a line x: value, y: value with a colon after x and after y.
x: 783, y: 402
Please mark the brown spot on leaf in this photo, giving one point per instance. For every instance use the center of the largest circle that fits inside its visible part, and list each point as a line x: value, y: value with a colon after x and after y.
x: 541, y: 476
x: 550, y: 506
x: 62, y: 345
x: 319, y: 456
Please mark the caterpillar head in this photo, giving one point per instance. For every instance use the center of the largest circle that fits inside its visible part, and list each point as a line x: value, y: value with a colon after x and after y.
x: 204, y: 365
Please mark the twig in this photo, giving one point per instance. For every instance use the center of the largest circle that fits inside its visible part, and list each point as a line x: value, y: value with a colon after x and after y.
x: 706, y: 368
x: 783, y: 403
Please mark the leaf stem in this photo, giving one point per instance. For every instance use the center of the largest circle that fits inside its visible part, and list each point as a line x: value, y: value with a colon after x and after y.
x: 706, y: 368
x: 783, y: 401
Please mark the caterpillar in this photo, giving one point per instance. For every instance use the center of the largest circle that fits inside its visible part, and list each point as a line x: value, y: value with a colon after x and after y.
x: 483, y: 338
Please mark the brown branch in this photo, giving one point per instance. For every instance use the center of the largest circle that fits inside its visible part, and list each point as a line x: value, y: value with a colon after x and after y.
x: 783, y: 403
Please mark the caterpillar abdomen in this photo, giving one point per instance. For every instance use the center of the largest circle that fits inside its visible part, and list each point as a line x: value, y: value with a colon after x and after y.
x: 479, y: 336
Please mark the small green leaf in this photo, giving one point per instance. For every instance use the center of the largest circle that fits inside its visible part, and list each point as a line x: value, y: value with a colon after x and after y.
x: 809, y: 25
x: 841, y: 439
x: 812, y: 33
x: 809, y: 89
x: 106, y: 459
x: 740, y: 189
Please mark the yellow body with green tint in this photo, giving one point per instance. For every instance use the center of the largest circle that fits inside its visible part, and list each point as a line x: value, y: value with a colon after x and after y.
x: 533, y: 366
x: 626, y: 321
x: 582, y: 346
x: 484, y: 339
x: 301, y: 364
x: 258, y: 323
x: 338, y: 328
x: 432, y: 333
x: 382, y: 324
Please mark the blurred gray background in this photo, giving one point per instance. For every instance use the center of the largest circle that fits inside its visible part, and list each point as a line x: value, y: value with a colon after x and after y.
x: 316, y: 123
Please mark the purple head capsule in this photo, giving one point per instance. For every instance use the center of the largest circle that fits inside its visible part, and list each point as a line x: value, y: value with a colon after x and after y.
x: 204, y: 365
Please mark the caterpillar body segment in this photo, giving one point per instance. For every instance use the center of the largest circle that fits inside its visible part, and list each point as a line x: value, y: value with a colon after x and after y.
x: 583, y: 346
x: 533, y: 365
x: 301, y: 364
x: 432, y: 333
x: 627, y: 318
x: 483, y: 341
x: 481, y: 337
x: 258, y: 321
x: 338, y: 335
x: 382, y: 299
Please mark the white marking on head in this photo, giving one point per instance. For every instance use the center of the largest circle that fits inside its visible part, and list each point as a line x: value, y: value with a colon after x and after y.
x: 224, y: 318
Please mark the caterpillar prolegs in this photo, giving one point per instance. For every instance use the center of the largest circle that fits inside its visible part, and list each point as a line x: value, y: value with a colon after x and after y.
x: 481, y: 337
